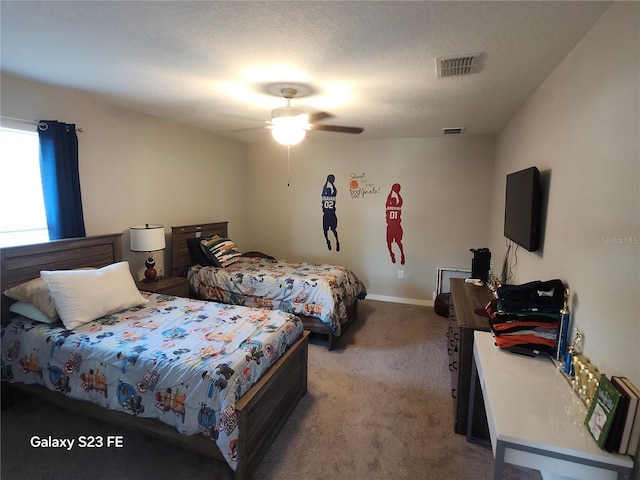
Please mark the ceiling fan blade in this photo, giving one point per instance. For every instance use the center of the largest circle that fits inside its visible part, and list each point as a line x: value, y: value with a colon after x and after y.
x: 238, y: 130
x: 336, y: 128
x: 232, y: 117
x: 317, y: 116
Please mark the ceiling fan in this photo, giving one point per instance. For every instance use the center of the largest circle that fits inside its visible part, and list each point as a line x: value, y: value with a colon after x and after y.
x: 289, y: 125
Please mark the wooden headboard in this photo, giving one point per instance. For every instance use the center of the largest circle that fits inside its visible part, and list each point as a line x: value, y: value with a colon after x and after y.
x: 181, y: 259
x: 20, y: 264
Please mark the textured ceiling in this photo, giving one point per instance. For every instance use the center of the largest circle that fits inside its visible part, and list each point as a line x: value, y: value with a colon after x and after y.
x: 370, y: 64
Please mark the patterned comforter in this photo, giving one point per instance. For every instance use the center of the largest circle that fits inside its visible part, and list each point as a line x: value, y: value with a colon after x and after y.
x: 312, y: 289
x: 185, y: 362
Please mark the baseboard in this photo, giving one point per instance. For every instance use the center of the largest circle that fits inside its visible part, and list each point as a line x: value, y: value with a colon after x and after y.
x: 407, y: 301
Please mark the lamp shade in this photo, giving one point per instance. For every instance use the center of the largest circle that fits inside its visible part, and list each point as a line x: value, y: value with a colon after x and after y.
x: 146, y: 238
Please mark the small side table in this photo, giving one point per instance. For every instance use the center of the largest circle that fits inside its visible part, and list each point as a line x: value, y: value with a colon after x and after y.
x: 178, y: 286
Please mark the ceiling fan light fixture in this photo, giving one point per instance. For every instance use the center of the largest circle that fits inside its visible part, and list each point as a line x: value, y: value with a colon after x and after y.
x: 287, y: 112
x: 288, y: 131
x: 288, y: 125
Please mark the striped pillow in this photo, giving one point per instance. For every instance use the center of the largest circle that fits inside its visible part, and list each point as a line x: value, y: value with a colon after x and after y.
x: 220, y: 250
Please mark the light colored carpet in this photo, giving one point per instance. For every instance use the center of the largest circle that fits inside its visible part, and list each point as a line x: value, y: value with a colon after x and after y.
x: 377, y: 407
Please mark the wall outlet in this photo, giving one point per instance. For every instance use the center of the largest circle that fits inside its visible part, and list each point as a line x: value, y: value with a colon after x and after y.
x: 400, y: 274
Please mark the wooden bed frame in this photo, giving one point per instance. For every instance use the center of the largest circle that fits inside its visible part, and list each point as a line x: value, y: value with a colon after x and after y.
x: 181, y: 261
x: 261, y: 412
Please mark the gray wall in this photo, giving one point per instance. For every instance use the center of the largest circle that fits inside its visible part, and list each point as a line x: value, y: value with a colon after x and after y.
x: 445, y: 212
x: 135, y: 168
x: 582, y: 129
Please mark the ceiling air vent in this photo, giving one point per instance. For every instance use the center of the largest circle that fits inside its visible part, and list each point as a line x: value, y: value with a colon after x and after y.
x: 457, y: 65
x: 452, y: 130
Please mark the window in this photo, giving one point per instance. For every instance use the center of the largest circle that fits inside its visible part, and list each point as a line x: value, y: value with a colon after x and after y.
x: 22, y: 214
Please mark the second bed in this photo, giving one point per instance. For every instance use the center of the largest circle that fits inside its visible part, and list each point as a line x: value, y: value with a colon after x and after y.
x: 324, y: 296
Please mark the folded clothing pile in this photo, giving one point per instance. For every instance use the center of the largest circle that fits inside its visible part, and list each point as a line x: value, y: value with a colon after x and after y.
x: 527, y: 316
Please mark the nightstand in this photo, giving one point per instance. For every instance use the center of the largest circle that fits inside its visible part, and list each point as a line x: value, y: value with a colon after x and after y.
x: 178, y: 286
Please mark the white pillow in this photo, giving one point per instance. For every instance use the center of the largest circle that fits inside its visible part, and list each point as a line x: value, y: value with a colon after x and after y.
x: 81, y: 296
x: 36, y: 292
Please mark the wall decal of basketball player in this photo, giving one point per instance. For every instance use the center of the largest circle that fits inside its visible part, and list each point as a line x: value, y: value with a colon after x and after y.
x: 394, y: 221
x: 329, y: 218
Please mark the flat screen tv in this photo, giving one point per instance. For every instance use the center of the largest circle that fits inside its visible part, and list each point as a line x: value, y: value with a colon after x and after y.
x: 522, y: 208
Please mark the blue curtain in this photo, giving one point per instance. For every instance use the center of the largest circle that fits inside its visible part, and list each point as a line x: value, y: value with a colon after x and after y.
x: 61, y: 179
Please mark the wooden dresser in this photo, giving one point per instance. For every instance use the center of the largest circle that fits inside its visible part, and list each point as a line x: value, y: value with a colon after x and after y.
x: 464, y: 299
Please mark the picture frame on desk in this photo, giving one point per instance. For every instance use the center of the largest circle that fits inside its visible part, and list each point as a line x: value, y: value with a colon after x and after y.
x: 634, y: 440
x: 620, y: 436
x: 601, y: 414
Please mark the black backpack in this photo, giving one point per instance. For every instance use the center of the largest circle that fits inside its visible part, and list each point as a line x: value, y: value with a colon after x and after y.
x: 441, y: 305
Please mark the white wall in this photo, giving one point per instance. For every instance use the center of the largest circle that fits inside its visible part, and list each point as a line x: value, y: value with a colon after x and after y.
x: 582, y: 129
x: 135, y: 168
x: 445, y: 212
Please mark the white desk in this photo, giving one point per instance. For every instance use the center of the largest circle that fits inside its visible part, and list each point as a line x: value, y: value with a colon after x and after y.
x: 535, y: 420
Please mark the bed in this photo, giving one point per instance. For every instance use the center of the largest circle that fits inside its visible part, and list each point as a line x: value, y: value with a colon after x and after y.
x: 324, y: 296
x: 200, y: 387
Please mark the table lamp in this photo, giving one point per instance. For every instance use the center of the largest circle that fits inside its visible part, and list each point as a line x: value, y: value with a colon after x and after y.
x: 147, y: 238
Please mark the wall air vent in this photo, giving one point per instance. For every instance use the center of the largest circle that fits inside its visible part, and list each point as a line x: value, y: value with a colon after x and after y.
x: 457, y: 65
x: 452, y: 130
